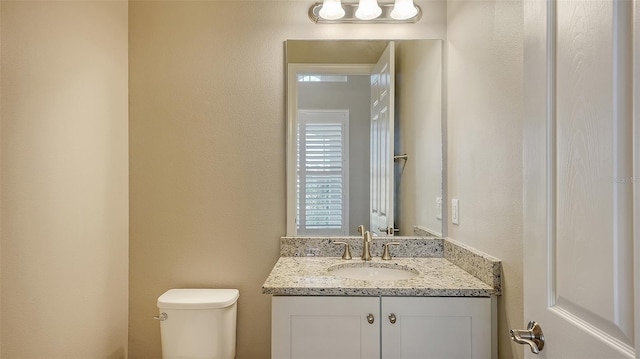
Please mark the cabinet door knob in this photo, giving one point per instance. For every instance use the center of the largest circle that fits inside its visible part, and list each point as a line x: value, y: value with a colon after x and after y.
x: 370, y: 318
x: 392, y: 318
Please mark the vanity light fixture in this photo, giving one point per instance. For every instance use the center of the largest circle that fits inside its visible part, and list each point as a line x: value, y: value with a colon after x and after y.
x: 331, y: 10
x: 403, y: 9
x: 366, y: 11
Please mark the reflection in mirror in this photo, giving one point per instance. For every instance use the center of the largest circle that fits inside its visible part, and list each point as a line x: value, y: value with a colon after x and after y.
x: 336, y: 137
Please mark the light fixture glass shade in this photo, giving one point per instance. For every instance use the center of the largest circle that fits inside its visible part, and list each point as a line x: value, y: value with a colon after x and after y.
x: 331, y: 10
x: 403, y: 9
x: 368, y: 10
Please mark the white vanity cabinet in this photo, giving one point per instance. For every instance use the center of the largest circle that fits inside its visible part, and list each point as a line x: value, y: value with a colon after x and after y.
x: 381, y: 327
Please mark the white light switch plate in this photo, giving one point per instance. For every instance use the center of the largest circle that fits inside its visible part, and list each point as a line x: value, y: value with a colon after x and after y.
x: 455, y: 211
x: 439, y: 208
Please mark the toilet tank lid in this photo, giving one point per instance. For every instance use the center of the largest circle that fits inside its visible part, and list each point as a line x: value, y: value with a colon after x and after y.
x: 198, y: 298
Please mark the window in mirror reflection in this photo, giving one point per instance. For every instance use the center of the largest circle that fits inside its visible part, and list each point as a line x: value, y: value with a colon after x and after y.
x: 321, y: 78
x: 323, y: 172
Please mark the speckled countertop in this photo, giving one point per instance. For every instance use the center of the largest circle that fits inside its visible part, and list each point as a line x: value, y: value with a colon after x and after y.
x: 445, y: 268
x: 310, y: 276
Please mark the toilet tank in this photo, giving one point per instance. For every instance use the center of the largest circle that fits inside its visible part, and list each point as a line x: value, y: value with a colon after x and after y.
x: 198, y: 323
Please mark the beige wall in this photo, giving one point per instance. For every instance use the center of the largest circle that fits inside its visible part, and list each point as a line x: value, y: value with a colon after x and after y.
x: 64, y: 189
x: 485, y: 49
x: 207, y: 155
x: 419, y: 108
x: 207, y: 159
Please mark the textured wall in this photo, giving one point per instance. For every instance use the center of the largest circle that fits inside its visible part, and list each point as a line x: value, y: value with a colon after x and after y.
x: 207, y: 159
x: 64, y: 179
x: 419, y: 108
x: 484, y: 49
x: 207, y: 155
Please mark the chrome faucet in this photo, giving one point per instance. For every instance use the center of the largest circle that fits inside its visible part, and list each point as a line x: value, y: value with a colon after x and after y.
x: 366, y: 246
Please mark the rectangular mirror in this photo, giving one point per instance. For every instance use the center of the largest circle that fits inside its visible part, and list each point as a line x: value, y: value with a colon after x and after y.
x: 364, y: 137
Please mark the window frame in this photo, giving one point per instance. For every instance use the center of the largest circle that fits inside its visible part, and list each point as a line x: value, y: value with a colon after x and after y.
x: 342, y: 118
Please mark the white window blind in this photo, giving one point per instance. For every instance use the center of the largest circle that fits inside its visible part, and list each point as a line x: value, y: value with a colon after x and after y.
x: 322, y: 166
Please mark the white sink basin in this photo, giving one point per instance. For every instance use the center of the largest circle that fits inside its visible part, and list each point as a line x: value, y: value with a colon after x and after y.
x: 374, y: 271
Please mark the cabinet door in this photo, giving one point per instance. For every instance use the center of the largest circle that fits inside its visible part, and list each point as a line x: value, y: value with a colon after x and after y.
x: 325, y: 327
x: 436, y: 327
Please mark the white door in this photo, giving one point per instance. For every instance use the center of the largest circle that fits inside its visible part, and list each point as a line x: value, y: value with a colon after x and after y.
x: 382, y: 111
x: 581, y: 175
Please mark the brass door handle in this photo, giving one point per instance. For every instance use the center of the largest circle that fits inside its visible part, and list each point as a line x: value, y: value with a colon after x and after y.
x: 388, y: 230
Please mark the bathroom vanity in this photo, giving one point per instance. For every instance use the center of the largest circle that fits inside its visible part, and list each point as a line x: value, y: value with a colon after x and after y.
x: 366, y: 327
x: 443, y: 307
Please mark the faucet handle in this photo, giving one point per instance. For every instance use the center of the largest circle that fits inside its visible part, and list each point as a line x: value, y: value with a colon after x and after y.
x: 347, y: 251
x: 385, y: 253
x: 361, y: 229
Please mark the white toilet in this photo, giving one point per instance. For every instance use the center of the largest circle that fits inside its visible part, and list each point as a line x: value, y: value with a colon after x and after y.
x: 198, y: 323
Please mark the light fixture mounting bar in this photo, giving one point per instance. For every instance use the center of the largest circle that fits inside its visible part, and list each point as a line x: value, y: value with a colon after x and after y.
x: 350, y: 15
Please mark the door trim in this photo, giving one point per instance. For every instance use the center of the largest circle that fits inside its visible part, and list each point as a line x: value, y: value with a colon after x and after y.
x: 292, y: 119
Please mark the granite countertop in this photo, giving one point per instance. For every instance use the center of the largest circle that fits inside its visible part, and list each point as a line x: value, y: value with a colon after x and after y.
x: 437, y: 277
